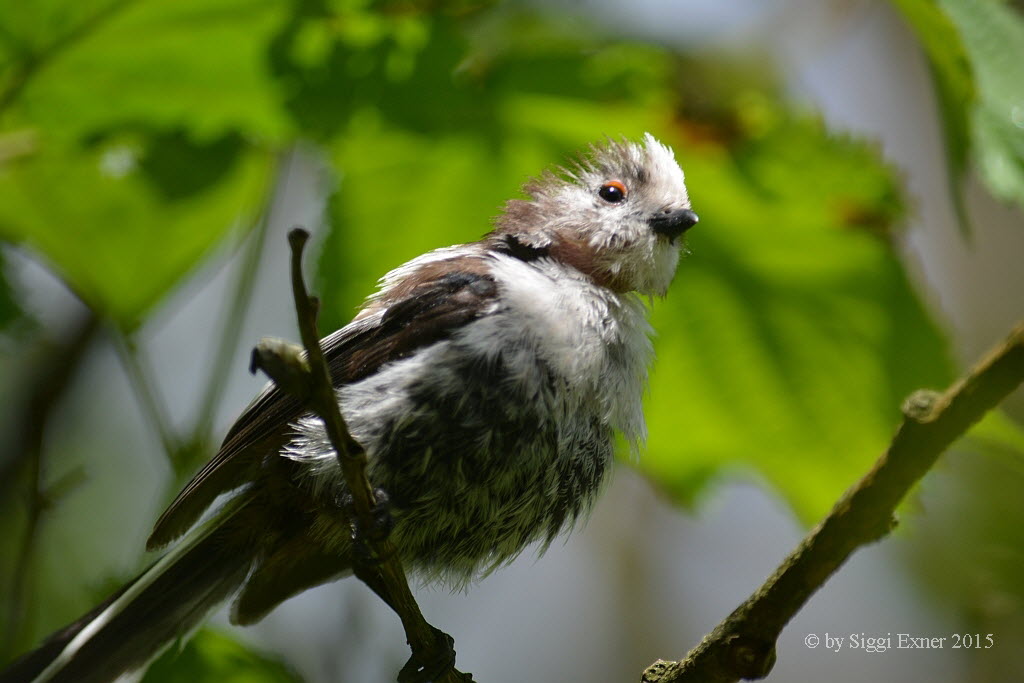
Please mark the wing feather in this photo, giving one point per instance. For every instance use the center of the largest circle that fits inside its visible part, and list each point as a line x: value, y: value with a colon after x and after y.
x: 427, y: 307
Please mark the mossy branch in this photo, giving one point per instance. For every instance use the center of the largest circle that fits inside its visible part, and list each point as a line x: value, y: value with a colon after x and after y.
x: 743, y: 645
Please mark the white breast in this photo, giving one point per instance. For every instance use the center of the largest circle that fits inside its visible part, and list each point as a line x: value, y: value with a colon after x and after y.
x: 595, y: 339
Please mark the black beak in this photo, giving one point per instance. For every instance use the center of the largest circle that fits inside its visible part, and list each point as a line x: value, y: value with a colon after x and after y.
x: 671, y: 223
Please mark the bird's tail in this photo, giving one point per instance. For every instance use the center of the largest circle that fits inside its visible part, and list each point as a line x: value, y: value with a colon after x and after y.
x: 164, y: 602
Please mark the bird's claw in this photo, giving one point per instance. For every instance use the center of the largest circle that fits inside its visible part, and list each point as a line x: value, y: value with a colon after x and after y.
x: 365, y: 535
x: 430, y: 665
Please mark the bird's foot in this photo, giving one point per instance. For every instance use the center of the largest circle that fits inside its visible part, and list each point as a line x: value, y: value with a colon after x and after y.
x: 434, y: 663
x: 366, y: 534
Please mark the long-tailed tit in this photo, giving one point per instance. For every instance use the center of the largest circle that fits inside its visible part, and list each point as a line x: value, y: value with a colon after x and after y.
x: 486, y: 383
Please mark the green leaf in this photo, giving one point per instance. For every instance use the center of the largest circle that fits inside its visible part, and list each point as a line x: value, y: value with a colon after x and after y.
x: 211, y: 657
x: 993, y: 35
x: 965, y: 543
x: 998, y: 434
x: 129, y: 146
x: 123, y: 217
x: 976, y: 51
x: 791, y: 335
x: 199, y: 65
x: 954, y: 87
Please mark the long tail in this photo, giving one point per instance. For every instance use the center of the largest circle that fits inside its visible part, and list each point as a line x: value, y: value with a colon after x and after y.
x: 162, y: 603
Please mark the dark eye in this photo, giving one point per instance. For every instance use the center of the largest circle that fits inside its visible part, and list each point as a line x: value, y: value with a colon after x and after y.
x: 613, y: 192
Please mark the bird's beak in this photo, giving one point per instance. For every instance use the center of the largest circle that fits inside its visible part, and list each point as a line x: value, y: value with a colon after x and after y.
x: 673, y: 223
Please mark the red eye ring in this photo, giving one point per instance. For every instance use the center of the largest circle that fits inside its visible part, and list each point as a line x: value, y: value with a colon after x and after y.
x: 613, y: 192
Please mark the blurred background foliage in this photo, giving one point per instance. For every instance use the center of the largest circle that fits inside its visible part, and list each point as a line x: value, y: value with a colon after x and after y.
x: 141, y: 142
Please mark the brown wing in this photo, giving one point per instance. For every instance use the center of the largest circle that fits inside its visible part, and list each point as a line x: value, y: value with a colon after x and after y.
x: 434, y: 303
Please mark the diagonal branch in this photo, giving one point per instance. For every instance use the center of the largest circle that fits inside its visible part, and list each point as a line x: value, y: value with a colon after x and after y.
x: 304, y: 374
x: 743, y: 645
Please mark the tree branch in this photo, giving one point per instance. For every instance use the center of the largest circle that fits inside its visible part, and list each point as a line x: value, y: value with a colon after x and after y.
x: 743, y: 645
x: 304, y: 374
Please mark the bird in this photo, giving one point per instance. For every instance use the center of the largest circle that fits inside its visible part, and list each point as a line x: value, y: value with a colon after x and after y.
x: 486, y: 383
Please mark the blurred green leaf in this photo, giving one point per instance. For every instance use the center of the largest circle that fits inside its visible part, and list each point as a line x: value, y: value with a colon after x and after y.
x: 128, y: 146
x: 965, y: 546
x: 791, y: 335
x: 118, y: 219
x: 211, y: 657
x: 400, y: 66
x: 976, y: 50
x: 998, y: 434
x: 993, y: 35
x: 954, y: 87
x: 197, y: 65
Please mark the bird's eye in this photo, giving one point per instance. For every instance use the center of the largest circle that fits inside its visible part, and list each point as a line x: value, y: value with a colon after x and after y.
x: 613, y: 192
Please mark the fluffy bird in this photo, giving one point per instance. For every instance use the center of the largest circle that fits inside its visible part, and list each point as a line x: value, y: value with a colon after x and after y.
x: 486, y: 383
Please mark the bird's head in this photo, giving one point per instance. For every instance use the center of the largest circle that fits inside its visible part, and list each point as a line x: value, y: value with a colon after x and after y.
x: 617, y: 215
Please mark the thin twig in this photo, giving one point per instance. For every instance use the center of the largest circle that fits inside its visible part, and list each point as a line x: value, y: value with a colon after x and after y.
x: 241, y: 297
x: 388, y: 578
x: 46, y: 388
x: 743, y: 645
x: 146, y: 389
